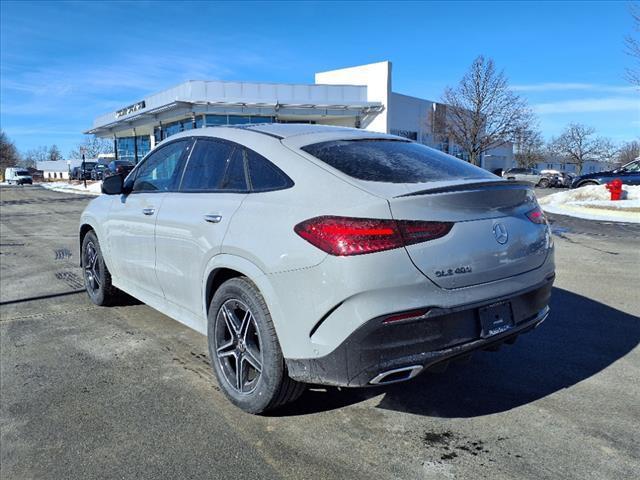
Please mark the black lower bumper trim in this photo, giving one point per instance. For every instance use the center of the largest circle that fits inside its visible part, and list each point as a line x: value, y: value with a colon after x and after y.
x: 376, y: 347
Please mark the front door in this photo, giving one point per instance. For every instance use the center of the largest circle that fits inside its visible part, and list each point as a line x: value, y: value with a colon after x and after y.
x: 132, y: 218
x: 194, y: 220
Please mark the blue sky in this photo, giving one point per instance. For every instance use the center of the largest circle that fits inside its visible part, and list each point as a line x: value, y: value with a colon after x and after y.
x: 64, y: 63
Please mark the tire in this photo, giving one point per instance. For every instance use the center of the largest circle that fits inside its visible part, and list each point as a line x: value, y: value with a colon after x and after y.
x: 97, y: 279
x: 544, y: 183
x: 262, y: 383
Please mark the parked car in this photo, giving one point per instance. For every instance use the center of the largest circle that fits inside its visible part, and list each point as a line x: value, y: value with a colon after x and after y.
x: 17, y: 176
x: 629, y: 174
x: 526, y: 175
x: 98, y: 172
x: 78, y: 173
x: 564, y: 180
x: 119, y: 167
x: 317, y: 254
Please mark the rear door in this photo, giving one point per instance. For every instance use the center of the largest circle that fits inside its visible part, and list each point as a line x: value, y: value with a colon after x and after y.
x: 193, y: 220
x: 132, y: 218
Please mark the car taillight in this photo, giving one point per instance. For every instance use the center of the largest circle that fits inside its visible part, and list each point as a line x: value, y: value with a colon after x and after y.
x: 344, y: 236
x: 537, y: 216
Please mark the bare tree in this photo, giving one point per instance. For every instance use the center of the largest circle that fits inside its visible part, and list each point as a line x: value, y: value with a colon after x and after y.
x: 628, y: 152
x: 529, y: 146
x: 9, y: 156
x: 35, y: 155
x: 54, y: 153
x: 92, y: 147
x: 577, y: 144
x: 633, y: 46
x: 482, y: 111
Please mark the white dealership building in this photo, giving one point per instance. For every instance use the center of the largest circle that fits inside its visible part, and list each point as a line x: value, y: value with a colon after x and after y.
x: 360, y: 97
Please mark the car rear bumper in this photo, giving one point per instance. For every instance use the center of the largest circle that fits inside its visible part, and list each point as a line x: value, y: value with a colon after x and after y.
x: 381, y: 353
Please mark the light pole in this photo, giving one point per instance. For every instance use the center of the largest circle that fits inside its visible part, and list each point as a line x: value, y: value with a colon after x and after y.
x: 84, y: 177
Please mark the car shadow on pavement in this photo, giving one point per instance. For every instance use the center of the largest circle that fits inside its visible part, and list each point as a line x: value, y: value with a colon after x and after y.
x: 580, y: 338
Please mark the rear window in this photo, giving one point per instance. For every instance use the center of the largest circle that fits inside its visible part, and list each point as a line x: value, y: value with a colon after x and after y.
x: 393, y: 161
x: 22, y: 173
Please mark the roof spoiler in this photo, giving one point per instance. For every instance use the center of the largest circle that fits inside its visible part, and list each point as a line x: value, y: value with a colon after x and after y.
x: 461, y: 187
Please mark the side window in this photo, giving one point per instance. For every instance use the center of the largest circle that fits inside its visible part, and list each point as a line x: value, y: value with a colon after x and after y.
x: 160, y: 170
x: 214, y: 167
x: 265, y: 176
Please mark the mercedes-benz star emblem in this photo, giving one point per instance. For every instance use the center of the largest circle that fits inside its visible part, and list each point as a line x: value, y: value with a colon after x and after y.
x: 501, y: 234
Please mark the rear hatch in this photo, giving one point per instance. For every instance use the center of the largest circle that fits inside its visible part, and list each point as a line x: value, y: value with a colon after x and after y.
x: 492, y: 237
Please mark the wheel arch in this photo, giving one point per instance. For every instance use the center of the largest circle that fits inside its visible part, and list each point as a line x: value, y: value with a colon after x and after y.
x: 223, y: 267
x: 589, y: 181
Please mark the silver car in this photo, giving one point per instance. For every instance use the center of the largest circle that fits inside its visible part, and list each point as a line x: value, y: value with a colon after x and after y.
x: 320, y: 255
x: 527, y: 175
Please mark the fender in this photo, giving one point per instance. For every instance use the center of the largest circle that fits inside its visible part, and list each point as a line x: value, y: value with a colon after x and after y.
x: 253, y: 273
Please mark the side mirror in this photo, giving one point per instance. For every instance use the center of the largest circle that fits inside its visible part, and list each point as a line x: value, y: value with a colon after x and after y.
x: 113, y: 185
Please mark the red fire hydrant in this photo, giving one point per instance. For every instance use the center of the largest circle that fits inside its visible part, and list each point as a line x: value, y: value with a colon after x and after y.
x: 615, y: 187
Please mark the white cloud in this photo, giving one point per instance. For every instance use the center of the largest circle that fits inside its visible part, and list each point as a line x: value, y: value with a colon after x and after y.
x: 560, y: 87
x: 607, y: 104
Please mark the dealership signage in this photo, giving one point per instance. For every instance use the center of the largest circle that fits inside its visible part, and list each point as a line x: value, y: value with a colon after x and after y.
x: 130, y: 109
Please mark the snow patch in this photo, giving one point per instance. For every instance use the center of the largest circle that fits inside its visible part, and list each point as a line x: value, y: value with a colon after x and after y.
x: 93, y: 188
x: 593, y: 202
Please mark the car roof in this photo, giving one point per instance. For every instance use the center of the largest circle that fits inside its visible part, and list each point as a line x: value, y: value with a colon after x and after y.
x: 289, y: 133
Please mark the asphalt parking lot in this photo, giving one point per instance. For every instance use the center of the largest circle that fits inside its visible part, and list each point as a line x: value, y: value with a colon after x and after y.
x: 125, y: 392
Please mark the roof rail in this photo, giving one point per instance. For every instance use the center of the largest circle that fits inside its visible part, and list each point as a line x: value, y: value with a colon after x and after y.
x: 249, y: 127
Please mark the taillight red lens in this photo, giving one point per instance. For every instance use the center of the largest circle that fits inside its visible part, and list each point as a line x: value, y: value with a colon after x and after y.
x: 537, y: 216
x: 343, y: 236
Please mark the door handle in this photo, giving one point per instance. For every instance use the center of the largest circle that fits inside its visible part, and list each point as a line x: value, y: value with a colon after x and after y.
x: 148, y: 211
x: 213, y: 218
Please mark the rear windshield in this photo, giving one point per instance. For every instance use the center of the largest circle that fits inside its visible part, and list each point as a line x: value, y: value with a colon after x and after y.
x: 22, y: 173
x: 393, y: 161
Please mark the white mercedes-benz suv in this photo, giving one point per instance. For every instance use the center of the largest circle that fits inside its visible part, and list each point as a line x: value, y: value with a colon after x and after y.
x: 322, y: 255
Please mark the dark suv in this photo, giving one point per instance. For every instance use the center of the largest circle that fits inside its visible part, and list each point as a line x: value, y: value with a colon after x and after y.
x: 78, y: 174
x: 629, y: 174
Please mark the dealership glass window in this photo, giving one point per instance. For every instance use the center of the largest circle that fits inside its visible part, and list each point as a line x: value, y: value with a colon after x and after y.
x: 213, y: 120
x: 239, y: 119
x: 171, y: 129
x: 256, y: 119
x: 126, y: 149
x: 144, y: 145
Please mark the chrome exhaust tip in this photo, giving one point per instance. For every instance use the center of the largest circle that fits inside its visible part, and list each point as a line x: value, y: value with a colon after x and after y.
x: 396, y: 375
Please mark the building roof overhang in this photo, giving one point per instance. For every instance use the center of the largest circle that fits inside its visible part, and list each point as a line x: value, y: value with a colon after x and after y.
x: 273, y: 108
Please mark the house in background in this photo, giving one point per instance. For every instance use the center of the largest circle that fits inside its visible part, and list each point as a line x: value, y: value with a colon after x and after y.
x: 590, y: 166
x: 57, y: 170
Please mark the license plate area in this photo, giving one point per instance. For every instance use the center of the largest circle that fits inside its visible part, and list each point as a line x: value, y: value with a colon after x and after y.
x: 495, y: 319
